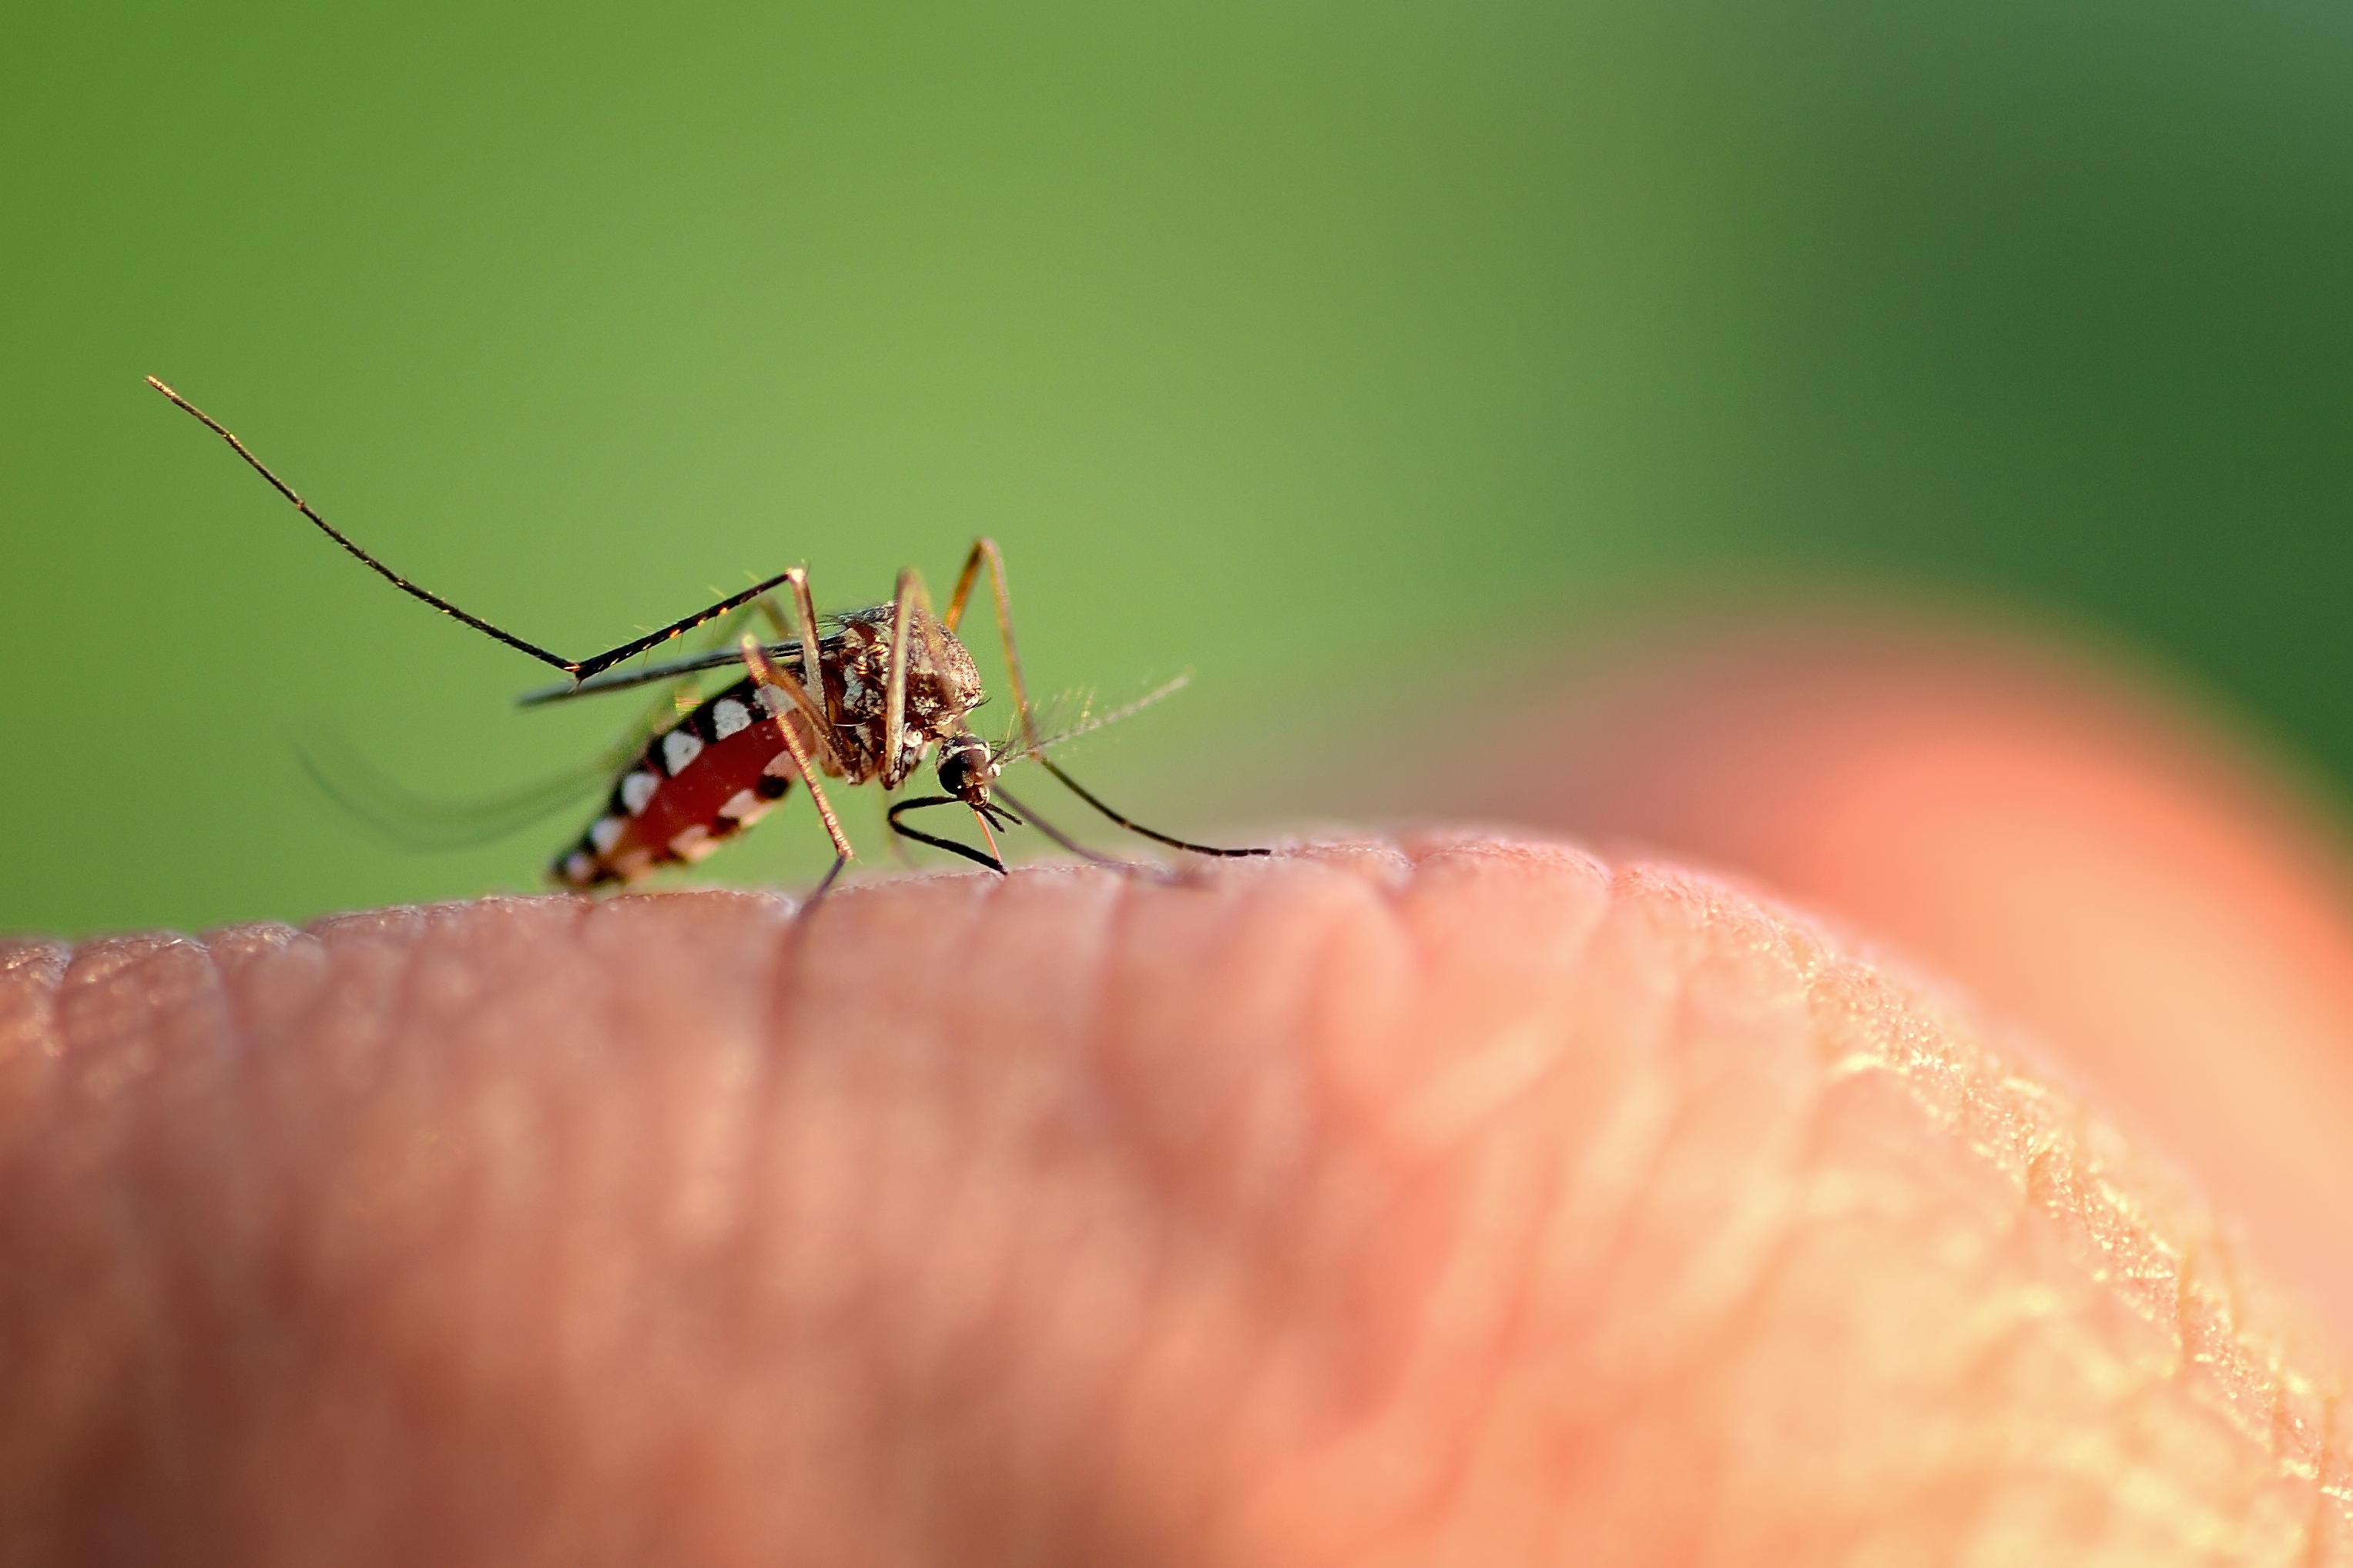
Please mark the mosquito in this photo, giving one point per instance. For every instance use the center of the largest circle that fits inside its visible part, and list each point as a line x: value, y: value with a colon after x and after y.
x: 862, y: 698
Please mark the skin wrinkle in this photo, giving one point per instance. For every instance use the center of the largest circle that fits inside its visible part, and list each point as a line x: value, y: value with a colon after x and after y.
x: 943, y: 1306
x: 2076, y: 1191
x: 715, y: 1212
x: 1154, y: 1262
x: 1280, y: 1150
x: 1053, y: 1118
x: 812, y: 1309
x: 1573, y: 1303
x: 1774, y: 1252
x: 703, y: 1300
x: 30, y: 973
x: 1145, y: 1257
x: 1717, y: 1321
x: 1320, y: 1212
x: 605, y: 1257
x: 2072, y: 1188
x: 899, y: 1153
x: 89, y: 1008
x: 761, y: 1097
x: 1362, y: 1202
x: 204, y: 1121
x: 1176, y: 1145
x: 1873, y: 1042
x: 1579, y: 1229
x: 925, y: 1157
x: 252, y: 970
x: 1673, y: 1132
x: 103, y: 1001
x: 255, y: 961
x: 405, y: 1240
x: 1537, y: 1206
x: 1421, y: 1495
x: 750, y: 1428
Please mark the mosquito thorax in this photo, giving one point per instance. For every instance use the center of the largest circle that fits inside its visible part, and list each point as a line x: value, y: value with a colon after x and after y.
x: 966, y: 768
x: 941, y: 686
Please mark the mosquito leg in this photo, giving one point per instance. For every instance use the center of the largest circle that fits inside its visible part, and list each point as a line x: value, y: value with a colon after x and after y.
x: 806, y: 609
x: 818, y: 710
x: 596, y: 663
x: 824, y: 885
x: 764, y: 672
x: 909, y: 601
x: 578, y: 669
x: 671, y: 705
x: 985, y: 551
x: 352, y: 547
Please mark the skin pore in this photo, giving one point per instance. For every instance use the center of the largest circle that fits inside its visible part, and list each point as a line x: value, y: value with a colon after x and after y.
x: 1470, y: 1198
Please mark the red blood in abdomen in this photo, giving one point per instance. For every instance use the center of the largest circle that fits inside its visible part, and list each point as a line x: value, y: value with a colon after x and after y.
x: 692, y: 799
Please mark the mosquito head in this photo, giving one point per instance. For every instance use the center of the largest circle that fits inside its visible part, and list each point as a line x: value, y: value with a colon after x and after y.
x: 966, y: 768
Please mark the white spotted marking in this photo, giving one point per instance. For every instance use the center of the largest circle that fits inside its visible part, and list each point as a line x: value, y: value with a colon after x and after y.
x: 728, y: 717
x: 634, y: 865
x: 693, y: 843
x: 680, y: 747
x: 603, y: 833
x: 578, y: 868
x: 744, y: 806
x: 773, y: 699
x: 636, y: 790
x: 782, y: 767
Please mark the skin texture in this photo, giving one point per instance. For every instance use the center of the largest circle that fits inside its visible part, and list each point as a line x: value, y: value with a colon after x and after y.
x: 1466, y: 1199
x: 2098, y: 861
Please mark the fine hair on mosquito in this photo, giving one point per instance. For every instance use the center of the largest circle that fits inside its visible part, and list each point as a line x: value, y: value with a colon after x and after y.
x: 861, y: 697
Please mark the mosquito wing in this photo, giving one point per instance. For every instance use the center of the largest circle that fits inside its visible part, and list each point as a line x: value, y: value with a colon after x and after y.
x: 415, y: 820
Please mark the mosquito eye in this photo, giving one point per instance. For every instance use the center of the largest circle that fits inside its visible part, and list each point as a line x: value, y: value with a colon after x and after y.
x: 964, y: 767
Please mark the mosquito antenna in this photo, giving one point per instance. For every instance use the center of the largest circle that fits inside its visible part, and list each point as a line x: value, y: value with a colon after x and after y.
x: 1018, y: 746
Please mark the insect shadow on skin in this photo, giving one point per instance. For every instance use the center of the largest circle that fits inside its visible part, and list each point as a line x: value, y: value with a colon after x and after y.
x: 861, y: 696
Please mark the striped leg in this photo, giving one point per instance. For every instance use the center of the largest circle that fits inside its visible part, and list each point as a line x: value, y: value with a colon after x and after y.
x: 818, y: 708
x: 984, y: 549
x: 908, y: 597
x: 767, y: 673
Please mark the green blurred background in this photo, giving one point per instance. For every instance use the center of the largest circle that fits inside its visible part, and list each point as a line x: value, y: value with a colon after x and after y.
x: 1256, y: 332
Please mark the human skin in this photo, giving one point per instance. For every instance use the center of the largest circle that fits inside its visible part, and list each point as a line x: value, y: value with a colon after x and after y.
x: 1462, y: 1199
x: 2116, y: 872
